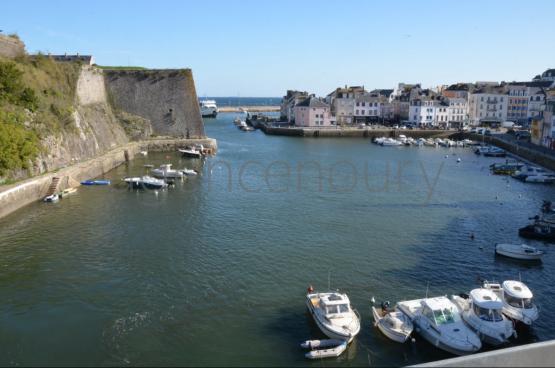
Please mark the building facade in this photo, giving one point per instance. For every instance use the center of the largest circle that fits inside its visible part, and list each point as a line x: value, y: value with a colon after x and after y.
x: 312, y: 113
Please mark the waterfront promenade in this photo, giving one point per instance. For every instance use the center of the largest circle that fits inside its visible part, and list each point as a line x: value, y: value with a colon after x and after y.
x: 248, y: 108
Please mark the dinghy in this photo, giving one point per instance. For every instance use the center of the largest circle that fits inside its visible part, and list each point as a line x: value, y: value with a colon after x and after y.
x: 329, y: 348
x: 51, y: 198
x: 95, y: 182
x: 393, y: 324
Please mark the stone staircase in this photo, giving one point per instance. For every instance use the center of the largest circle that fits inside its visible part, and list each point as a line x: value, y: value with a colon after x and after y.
x: 53, y: 188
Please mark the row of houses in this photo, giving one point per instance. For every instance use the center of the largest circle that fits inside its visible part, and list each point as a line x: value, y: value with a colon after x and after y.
x: 454, y: 106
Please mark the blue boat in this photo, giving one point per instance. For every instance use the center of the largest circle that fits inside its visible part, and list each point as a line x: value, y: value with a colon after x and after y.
x: 95, y: 182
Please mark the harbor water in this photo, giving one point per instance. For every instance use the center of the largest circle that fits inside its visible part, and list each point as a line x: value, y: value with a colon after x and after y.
x: 214, y: 270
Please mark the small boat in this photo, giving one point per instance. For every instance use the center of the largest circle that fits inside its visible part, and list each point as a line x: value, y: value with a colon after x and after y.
x: 391, y: 142
x: 246, y: 128
x: 189, y: 172
x: 505, y: 168
x: 379, y: 140
x: 519, y: 251
x: 146, y: 182
x: 438, y: 320
x: 190, y: 152
x: 393, y: 324
x: 166, y: 171
x: 143, y: 153
x: 67, y: 192
x: 533, y: 174
x: 330, y: 348
x: 517, y: 300
x: 482, y: 310
x: 148, y: 166
x: 95, y: 182
x: 542, y: 226
x: 490, y: 151
x: 333, y: 314
x: 52, y: 198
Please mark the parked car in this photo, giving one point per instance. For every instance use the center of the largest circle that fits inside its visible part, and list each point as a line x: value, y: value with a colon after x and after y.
x: 522, y: 135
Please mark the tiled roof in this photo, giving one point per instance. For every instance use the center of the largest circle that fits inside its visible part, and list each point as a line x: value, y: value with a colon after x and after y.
x: 312, y: 102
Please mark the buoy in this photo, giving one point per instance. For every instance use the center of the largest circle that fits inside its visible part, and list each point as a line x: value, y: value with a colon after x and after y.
x: 413, y: 340
x: 446, y: 156
x: 459, y: 159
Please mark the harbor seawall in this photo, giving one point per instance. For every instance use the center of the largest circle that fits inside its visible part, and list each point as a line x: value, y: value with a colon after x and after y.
x: 351, y: 132
x: 13, y: 197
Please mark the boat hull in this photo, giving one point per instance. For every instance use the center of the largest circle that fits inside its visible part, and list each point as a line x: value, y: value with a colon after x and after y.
x: 530, y: 233
x: 391, y: 334
x: 520, y: 256
x: 335, y: 335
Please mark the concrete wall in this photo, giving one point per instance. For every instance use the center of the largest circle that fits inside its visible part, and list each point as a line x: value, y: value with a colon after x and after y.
x: 353, y: 132
x: 11, y: 47
x: 167, y: 98
x: 541, y: 354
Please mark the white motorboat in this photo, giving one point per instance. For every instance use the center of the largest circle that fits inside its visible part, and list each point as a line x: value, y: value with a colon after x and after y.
x: 146, y: 182
x: 392, y: 323
x: 67, y: 192
x: 438, y: 320
x: 379, y: 140
x: 329, y: 348
x: 519, y: 251
x: 52, y: 198
x: 482, y: 311
x: 430, y: 143
x: 208, y: 108
x: 420, y: 142
x: 391, y: 142
x: 517, y: 300
x: 534, y: 174
x: 189, y: 172
x: 333, y: 314
x: 190, y: 152
x: 166, y: 171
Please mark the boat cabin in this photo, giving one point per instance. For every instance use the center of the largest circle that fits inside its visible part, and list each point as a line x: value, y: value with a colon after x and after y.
x: 486, y: 305
x: 440, y: 311
x: 334, y: 304
x: 517, y: 295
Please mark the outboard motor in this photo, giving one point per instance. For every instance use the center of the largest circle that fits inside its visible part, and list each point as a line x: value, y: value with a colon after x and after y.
x: 386, y: 305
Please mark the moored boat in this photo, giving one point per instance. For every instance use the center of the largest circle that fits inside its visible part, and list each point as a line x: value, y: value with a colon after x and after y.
x: 166, y: 171
x: 392, y: 323
x: 517, y: 300
x: 146, y: 182
x: 438, y: 320
x: 190, y: 152
x: 95, y: 182
x: 519, y: 251
x: 329, y: 348
x: 208, y: 108
x: 52, y: 198
x: 482, y: 310
x: 333, y: 314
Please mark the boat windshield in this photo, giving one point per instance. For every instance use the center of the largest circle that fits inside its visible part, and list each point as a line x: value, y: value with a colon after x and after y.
x: 526, y: 303
x: 338, y: 308
x: 490, y: 315
x: 445, y: 316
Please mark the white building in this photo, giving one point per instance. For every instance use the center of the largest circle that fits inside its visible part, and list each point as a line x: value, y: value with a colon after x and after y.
x: 428, y: 112
x: 342, y: 102
x: 457, y: 111
x: 368, y: 108
x: 487, y: 105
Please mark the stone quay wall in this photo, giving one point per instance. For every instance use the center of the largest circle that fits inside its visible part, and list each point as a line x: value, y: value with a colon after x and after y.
x: 165, y: 97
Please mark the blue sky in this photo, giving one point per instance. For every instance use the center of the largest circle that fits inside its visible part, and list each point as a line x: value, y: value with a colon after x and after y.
x: 262, y: 48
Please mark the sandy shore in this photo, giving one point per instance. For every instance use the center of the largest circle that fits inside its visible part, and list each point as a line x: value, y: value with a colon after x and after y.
x: 248, y: 108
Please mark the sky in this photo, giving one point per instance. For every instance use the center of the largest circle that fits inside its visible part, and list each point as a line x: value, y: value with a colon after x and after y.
x: 262, y: 48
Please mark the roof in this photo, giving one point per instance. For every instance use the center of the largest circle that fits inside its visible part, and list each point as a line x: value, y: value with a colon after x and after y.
x: 440, y: 302
x: 312, y: 102
x: 334, y: 298
x: 486, y: 298
x: 534, y: 83
x: 517, y: 289
x: 383, y: 92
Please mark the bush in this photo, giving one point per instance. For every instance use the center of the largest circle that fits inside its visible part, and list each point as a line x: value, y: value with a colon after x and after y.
x: 12, y: 89
x: 17, y: 144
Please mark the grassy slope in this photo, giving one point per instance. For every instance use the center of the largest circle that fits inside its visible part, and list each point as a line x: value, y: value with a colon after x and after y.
x: 35, y: 102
